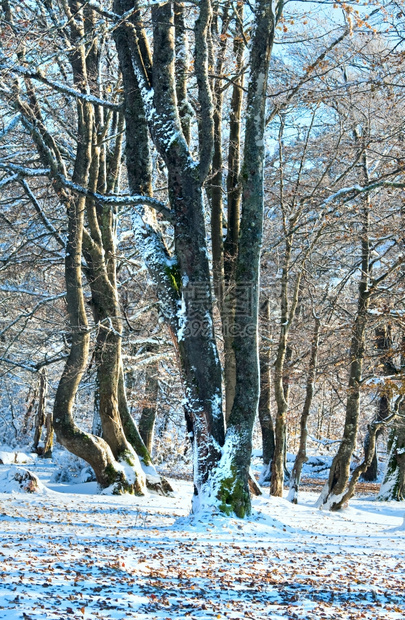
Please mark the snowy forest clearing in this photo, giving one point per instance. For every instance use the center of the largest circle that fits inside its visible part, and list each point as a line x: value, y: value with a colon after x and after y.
x: 71, y: 553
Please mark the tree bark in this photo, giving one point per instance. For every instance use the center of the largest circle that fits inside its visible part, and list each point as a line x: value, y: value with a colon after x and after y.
x: 233, y: 190
x: 186, y: 279
x: 360, y: 469
x: 101, y: 455
x: 281, y: 379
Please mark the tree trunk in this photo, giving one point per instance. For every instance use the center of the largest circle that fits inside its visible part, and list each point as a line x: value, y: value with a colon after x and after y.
x: 97, y: 452
x: 88, y: 447
x: 340, y: 469
x: 40, y: 418
x: 393, y: 486
x: 233, y: 488
x: 360, y: 469
x: 301, y: 457
x: 281, y: 379
x: 233, y: 189
x: 188, y: 278
x: 48, y: 443
x: 148, y: 415
x: 384, y: 344
x: 265, y: 419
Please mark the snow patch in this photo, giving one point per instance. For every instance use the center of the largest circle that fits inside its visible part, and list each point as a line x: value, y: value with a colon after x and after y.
x: 20, y: 480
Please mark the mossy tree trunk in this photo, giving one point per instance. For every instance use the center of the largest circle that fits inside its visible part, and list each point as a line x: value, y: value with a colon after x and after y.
x: 186, y: 278
x: 234, y: 487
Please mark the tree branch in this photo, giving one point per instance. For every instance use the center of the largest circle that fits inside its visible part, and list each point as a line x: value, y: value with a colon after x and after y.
x: 59, y: 87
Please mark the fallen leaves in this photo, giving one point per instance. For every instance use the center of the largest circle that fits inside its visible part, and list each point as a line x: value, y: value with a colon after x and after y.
x: 66, y: 559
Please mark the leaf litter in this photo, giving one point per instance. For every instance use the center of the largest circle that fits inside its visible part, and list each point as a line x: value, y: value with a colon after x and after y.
x: 71, y: 553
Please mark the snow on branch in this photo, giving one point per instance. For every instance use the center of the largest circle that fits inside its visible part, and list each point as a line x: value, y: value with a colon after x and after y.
x: 28, y: 315
x: 22, y: 291
x: 34, y: 367
x: 48, y: 225
x: 113, y: 199
x: 59, y: 87
x: 356, y: 190
x: 10, y: 126
x: 30, y: 367
x: 122, y: 200
x: 23, y: 171
x: 8, y: 180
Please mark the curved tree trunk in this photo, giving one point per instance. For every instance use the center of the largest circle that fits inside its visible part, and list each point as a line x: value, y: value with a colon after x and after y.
x: 360, y: 469
x: 89, y: 447
x: 101, y: 455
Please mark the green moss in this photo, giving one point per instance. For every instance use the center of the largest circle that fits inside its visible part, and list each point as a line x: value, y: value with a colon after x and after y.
x: 111, y: 473
x: 233, y: 496
x: 128, y: 457
x: 118, y: 480
x: 173, y: 273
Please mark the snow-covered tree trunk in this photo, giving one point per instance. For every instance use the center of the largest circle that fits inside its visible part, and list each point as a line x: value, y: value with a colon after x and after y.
x: 184, y: 281
x: 393, y: 486
x: 232, y: 484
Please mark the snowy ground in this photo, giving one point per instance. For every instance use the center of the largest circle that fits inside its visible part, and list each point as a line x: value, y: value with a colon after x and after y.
x: 68, y: 553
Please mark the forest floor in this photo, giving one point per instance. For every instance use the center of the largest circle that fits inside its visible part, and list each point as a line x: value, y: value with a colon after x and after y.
x: 67, y: 552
